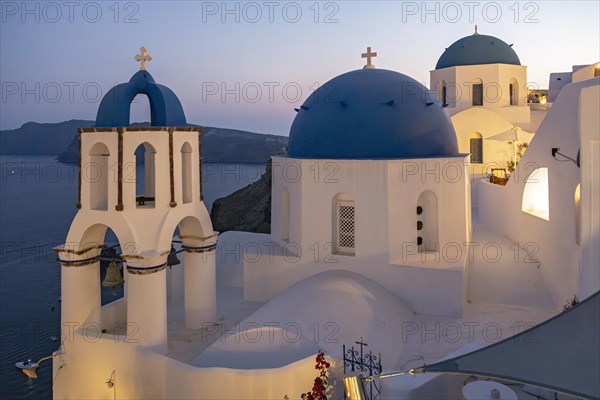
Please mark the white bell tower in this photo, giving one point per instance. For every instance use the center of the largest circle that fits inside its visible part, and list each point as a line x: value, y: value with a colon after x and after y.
x: 144, y: 219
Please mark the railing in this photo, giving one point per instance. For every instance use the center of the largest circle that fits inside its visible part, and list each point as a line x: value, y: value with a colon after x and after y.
x: 539, y: 106
x: 364, y: 362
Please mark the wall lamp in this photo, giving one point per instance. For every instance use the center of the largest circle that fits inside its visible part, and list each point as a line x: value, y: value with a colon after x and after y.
x: 29, y: 368
x: 112, y: 383
x: 556, y: 151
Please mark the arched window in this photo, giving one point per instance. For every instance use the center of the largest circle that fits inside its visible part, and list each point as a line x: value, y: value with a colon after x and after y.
x: 477, y: 94
x: 427, y: 222
x: 97, y: 175
x: 284, y: 215
x: 344, y: 224
x: 443, y: 92
x: 145, y: 175
x: 513, y: 90
x: 536, y: 200
x: 577, y: 198
x: 186, y: 173
x: 476, y: 148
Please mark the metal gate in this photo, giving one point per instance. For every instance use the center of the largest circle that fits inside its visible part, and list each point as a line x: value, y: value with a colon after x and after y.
x: 358, y: 361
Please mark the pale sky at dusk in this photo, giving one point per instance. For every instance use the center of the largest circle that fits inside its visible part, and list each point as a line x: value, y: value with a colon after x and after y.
x: 49, y: 47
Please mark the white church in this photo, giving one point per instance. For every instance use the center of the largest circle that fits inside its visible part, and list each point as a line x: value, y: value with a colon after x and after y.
x: 382, y: 232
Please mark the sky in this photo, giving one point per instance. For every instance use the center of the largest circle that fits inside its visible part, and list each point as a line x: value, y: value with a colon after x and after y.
x: 247, y: 65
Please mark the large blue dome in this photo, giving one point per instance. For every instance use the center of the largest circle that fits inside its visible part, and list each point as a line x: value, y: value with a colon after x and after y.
x: 478, y: 49
x: 372, y: 114
x: 165, y: 107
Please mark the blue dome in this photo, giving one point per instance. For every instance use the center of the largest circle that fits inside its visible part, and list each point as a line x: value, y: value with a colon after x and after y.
x: 165, y: 107
x: 478, y: 49
x: 371, y: 114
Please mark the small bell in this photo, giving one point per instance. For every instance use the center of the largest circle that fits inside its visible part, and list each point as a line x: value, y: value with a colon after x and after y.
x: 113, y: 277
x: 172, y: 258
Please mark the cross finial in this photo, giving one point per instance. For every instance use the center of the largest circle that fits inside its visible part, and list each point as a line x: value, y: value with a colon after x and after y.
x: 476, y: 33
x: 142, y: 58
x: 369, y: 55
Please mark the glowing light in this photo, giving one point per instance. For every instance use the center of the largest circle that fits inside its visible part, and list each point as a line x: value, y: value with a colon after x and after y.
x: 536, y: 200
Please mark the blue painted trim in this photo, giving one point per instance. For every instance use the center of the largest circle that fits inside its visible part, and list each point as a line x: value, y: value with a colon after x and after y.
x: 199, y: 248
x: 79, y: 261
x: 146, y: 269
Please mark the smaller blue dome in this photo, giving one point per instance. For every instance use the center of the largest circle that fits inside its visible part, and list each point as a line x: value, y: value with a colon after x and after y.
x: 165, y: 107
x: 478, y: 49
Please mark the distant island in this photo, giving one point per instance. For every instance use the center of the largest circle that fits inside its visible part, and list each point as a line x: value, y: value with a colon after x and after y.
x: 219, y: 145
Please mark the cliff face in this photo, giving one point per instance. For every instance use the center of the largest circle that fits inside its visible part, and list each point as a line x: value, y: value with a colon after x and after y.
x: 247, y: 210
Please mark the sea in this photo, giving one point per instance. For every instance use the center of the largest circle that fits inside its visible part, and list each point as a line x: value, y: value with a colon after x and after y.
x: 37, y: 204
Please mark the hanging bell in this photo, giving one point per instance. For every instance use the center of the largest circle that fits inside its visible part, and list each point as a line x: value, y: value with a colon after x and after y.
x: 113, y: 276
x: 172, y: 258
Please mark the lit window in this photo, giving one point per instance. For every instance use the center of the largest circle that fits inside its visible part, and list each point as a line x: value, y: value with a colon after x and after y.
x: 577, y: 198
x: 536, y: 200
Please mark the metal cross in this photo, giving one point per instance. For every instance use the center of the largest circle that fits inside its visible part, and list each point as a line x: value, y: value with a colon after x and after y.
x: 362, y: 344
x: 369, y: 55
x: 142, y: 58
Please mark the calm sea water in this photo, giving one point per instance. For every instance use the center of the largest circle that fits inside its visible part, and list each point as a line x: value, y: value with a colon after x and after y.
x: 37, y: 205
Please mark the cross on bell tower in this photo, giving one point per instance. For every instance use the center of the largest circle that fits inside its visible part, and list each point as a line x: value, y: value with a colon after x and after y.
x: 369, y: 55
x: 142, y: 58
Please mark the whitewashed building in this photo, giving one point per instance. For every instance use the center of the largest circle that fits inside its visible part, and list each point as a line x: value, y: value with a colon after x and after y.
x: 484, y: 87
x: 372, y: 233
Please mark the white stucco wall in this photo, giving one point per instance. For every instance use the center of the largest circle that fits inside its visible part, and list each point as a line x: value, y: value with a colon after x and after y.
x: 142, y: 374
x: 487, y: 123
x: 585, y: 72
x: 496, y: 80
x: 552, y: 242
x: 589, y: 277
x: 556, y: 82
x: 385, y: 193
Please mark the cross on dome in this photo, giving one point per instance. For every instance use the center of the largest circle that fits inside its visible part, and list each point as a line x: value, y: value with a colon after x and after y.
x: 369, y: 55
x: 142, y: 58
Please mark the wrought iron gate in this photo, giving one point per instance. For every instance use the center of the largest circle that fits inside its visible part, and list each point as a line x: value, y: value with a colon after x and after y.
x: 368, y: 363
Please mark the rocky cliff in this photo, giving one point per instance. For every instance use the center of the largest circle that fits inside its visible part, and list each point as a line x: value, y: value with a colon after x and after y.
x: 248, y: 209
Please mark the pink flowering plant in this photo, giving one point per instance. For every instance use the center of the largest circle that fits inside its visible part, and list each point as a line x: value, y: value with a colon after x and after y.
x: 320, y: 383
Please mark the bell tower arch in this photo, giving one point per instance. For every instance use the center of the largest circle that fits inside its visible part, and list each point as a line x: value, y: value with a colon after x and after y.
x: 143, y: 222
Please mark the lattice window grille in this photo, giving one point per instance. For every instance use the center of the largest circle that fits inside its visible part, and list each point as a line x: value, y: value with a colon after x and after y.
x: 346, y: 221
